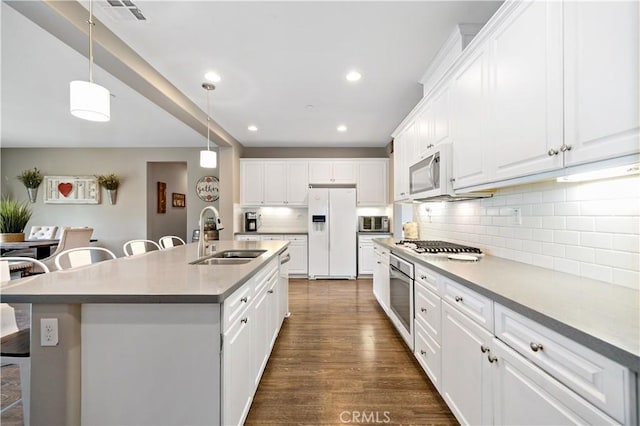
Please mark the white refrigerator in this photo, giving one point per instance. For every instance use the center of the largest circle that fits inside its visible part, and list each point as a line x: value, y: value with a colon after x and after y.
x: 332, y: 232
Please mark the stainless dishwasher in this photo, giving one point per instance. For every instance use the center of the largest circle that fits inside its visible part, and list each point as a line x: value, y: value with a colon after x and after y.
x: 401, y: 274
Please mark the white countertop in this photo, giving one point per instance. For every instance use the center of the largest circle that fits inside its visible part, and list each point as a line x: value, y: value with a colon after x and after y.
x: 163, y: 276
x: 599, y: 315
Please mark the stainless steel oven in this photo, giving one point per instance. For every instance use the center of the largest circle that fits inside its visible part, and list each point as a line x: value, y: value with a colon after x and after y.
x: 401, y: 297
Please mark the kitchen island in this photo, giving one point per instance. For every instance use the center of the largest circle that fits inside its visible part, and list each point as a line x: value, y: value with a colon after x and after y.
x: 153, y: 339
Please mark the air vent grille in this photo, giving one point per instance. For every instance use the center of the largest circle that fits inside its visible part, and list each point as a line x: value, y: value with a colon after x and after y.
x: 123, y: 11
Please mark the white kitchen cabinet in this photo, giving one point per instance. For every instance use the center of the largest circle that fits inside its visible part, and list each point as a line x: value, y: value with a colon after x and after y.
x: 381, y: 275
x: 251, y: 183
x: 427, y: 326
x: 265, y: 307
x: 297, y: 184
x: 403, y: 149
x: 466, y: 369
x: 247, y: 237
x: 601, y: 43
x: 428, y: 352
x: 366, y: 257
x: 275, y: 183
x: 372, y: 183
x: 525, y: 91
x: 332, y: 171
x: 298, y: 250
x: 524, y: 395
x: 433, y: 121
x: 424, y: 123
x: 469, y: 128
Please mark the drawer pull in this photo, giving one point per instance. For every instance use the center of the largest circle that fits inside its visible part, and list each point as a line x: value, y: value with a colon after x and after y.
x: 423, y: 352
x: 536, y: 346
x: 244, y: 299
x: 423, y: 309
x: 270, y: 291
x: 244, y: 320
x: 423, y: 277
x: 484, y: 348
x: 458, y: 298
x: 492, y: 358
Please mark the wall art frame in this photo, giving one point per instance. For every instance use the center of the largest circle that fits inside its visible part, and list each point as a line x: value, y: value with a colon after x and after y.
x: 71, y: 190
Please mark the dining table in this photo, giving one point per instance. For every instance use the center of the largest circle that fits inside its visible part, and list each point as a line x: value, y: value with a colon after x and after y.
x: 42, y: 247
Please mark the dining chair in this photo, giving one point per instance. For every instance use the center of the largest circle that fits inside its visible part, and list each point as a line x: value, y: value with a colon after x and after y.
x: 81, y: 256
x: 40, y: 232
x: 69, y: 238
x: 14, y: 343
x: 170, y: 241
x: 139, y: 246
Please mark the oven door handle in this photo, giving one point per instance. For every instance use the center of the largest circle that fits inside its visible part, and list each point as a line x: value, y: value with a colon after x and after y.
x: 397, y: 273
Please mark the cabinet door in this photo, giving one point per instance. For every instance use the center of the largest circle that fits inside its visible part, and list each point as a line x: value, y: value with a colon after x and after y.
x: 344, y: 172
x: 248, y: 237
x: 298, y: 253
x: 526, y: 91
x: 429, y: 354
x: 320, y: 171
x: 366, y: 258
x: 424, y: 129
x: 372, y: 183
x: 237, y: 378
x: 525, y: 395
x: 273, y: 296
x: 297, y: 184
x: 466, y: 370
x: 251, y: 183
x: 262, y: 333
x: 403, y: 147
x: 275, y: 181
x: 601, y: 80
x: 441, y: 117
x: 469, y: 98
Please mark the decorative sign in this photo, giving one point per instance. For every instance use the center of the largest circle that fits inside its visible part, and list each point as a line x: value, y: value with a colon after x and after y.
x: 162, y: 197
x: 177, y: 199
x: 71, y: 190
x: 208, y: 189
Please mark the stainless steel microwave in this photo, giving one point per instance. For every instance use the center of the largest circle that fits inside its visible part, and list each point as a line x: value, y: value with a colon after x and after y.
x: 430, y: 177
x: 373, y: 223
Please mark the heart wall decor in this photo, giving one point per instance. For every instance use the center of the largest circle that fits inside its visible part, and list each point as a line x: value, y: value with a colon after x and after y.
x: 65, y: 188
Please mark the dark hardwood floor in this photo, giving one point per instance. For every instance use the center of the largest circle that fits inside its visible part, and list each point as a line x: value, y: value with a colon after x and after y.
x: 339, y: 360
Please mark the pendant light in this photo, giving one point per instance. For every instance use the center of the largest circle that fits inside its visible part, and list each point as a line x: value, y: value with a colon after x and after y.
x: 88, y: 100
x: 208, y: 158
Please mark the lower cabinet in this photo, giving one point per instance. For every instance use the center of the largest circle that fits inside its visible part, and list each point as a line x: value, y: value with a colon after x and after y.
x: 298, y: 249
x: 251, y: 323
x: 381, y: 276
x: 365, y: 255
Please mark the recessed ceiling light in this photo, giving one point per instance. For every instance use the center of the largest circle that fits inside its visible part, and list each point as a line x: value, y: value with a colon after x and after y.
x: 252, y: 128
x: 354, y: 76
x: 342, y: 128
x: 212, y: 76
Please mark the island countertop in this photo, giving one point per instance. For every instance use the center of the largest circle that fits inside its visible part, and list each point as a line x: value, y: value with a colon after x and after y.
x: 601, y: 316
x: 163, y: 276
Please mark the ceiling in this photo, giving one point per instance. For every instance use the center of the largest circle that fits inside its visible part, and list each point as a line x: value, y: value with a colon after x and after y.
x: 282, y: 64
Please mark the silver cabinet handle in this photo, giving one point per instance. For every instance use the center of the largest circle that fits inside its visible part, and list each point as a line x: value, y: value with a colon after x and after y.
x: 552, y: 152
x: 244, y: 299
x: 378, y: 263
x: 270, y: 291
x: 423, y: 277
x: 484, y: 348
x: 244, y: 320
x: 423, y: 309
x: 458, y: 298
x: 536, y: 346
x: 565, y: 147
x: 423, y: 352
x: 492, y: 358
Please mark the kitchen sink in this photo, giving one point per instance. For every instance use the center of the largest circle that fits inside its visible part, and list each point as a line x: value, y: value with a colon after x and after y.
x: 238, y: 254
x: 229, y: 257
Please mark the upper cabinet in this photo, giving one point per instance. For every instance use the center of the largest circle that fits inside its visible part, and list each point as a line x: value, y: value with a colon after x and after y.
x: 601, y: 89
x: 332, y: 171
x: 403, y: 151
x: 285, y: 182
x: 372, y: 182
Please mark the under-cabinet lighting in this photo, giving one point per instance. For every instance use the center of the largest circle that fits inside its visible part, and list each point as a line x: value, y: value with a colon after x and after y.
x: 602, y: 174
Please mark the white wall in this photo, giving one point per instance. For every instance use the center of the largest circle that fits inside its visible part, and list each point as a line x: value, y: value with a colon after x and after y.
x: 174, y: 220
x: 588, y: 229
x: 113, y: 224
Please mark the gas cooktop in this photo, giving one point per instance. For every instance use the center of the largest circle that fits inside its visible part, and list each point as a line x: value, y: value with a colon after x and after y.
x: 436, y: 247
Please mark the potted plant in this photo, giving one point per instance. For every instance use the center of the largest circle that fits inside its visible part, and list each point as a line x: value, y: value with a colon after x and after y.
x: 111, y: 183
x: 32, y: 180
x: 14, y: 216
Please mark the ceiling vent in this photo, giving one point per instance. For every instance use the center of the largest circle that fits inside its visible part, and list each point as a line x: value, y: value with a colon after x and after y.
x: 122, y: 11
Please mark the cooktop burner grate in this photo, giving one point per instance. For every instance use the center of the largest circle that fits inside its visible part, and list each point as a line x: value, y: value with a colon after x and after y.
x: 432, y: 246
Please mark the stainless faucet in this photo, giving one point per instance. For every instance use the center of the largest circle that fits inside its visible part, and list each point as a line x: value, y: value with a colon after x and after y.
x: 204, y: 247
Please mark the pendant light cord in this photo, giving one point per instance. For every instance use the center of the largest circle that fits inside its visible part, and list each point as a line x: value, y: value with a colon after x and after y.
x: 91, y: 24
x: 208, y: 118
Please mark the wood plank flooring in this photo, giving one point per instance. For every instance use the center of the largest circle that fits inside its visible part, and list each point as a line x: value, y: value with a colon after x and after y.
x: 339, y: 360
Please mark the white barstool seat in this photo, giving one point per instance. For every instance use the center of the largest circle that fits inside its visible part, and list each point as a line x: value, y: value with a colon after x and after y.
x: 80, y: 256
x: 171, y: 241
x: 139, y: 246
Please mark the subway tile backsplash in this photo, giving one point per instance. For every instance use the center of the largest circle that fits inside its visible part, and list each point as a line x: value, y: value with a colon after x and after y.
x: 589, y: 229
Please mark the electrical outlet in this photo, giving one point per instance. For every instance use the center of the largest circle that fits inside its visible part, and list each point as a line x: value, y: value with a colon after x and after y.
x: 516, y: 214
x: 48, y: 331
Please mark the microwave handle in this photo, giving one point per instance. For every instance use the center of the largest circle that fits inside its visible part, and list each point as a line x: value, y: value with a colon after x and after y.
x: 429, y: 167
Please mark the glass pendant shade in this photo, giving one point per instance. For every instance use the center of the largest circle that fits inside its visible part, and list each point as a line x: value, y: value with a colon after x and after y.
x: 208, y: 159
x: 89, y: 101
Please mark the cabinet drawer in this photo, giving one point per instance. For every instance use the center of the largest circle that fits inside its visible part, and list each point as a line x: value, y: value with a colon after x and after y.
x: 596, y: 378
x: 271, y: 237
x: 299, y: 238
x: 264, y: 277
x: 474, y: 305
x: 429, y: 354
x: 427, y: 310
x: 235, y: 305
x: 428, y: 278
